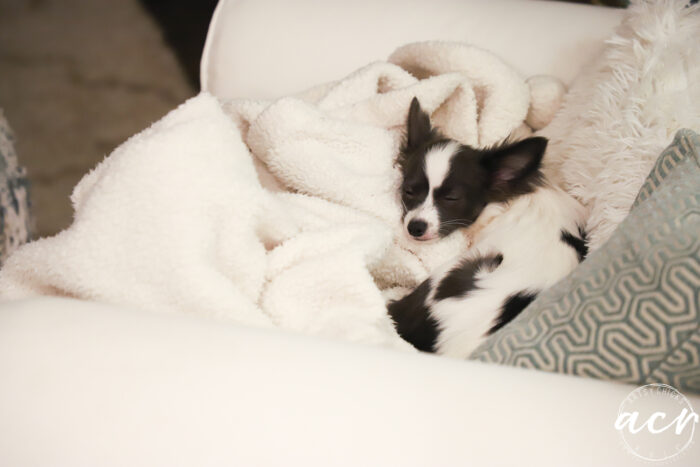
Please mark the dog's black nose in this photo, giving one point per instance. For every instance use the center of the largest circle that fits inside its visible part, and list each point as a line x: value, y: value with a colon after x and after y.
x: 417, y: 227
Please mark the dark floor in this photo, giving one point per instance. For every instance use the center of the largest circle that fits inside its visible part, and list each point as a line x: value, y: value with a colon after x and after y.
x: 81, y: 76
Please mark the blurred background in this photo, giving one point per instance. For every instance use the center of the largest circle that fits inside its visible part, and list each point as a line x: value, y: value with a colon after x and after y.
x: 78, y: 77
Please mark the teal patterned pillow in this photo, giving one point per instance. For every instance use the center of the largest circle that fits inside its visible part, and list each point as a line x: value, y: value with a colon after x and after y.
x: 630, y: 312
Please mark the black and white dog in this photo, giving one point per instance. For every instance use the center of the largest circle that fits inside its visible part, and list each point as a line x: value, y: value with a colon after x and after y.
x: 526, y: 235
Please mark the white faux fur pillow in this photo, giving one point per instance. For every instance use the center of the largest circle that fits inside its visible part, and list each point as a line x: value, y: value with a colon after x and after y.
x: 621, y: 113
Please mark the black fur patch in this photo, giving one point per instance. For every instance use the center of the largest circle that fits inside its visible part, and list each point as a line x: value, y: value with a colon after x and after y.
x: 461, y: 280
x: 412, y: 318
x: 514, y: 168
x: 579, y: 244
x: 419, y: 130
x: 512, y: 308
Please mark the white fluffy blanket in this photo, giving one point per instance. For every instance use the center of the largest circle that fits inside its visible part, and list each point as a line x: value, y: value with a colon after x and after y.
x: 305, y: 232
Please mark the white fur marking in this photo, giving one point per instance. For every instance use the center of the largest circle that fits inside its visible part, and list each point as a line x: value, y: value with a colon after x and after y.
x: 437, y: 163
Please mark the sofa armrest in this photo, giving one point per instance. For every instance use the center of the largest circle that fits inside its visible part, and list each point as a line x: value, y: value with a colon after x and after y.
x: 269, y: 48
x: 88, y: 384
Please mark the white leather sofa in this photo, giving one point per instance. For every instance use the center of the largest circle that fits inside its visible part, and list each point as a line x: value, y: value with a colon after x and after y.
x: 87, y: 384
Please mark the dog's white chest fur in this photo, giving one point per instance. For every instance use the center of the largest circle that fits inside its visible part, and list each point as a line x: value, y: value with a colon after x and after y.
x: 528, y: 235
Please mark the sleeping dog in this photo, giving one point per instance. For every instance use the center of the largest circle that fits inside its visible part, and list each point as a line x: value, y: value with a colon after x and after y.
x: 526, y: 235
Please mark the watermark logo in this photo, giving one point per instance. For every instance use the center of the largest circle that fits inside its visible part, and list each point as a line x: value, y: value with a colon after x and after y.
x: 656, y: 422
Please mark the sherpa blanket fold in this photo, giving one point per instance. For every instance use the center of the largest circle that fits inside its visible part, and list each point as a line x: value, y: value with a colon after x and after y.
x: 278, y: 213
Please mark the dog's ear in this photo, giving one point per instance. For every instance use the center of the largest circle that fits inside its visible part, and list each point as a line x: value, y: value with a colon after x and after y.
x: 418, y: 128
x: 514, y: 168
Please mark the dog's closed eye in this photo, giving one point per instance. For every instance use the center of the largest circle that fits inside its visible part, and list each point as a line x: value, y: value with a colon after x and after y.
x: 451, y: 196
